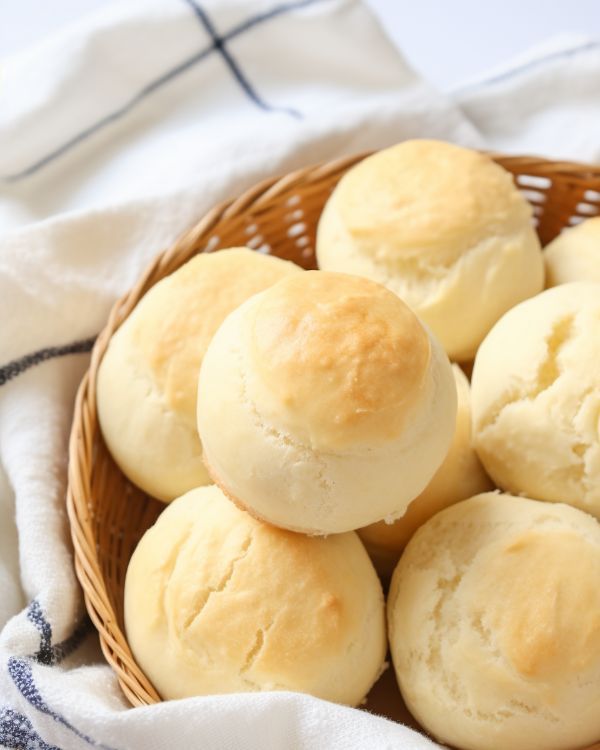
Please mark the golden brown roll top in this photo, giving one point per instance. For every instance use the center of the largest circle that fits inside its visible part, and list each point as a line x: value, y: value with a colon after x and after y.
x: 338, y: 362
x: 339, y: 406
x: 426, y: 198
x: 443, y: 227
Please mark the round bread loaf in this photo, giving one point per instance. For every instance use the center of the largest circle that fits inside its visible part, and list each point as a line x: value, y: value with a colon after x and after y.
x: 443, y: 227
x: 574, y: 255
x: 217, y: 602
x: 148, y: 379
x: 535, y: 395
x: 339, y: 406
x: 494, y: 625
x: 461, y: 475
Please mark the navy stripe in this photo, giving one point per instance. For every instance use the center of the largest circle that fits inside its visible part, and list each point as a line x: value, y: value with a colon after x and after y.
x: 60, y: 651
x: 36, y: 616
x: 273, y: 12
x: 167, y: 77
x: 18, y: 366
x: 219, y: 44
x: 539, y: 62
x: 47, y: 653
x: 112, y: 117
x: 17, y: 732
x: 21, y: 671
x: 22, y: 676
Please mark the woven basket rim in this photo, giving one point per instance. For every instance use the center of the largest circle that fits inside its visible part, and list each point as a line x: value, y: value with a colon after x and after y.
x: 268, y: 188
x: 138, y: 689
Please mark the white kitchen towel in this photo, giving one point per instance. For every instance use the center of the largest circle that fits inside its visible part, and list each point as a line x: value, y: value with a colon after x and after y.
x: 115, y: 136
x: 545, y: 102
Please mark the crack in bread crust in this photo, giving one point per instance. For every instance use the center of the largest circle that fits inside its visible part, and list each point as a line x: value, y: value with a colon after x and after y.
x: 548, y: 373
x: 205, y: 595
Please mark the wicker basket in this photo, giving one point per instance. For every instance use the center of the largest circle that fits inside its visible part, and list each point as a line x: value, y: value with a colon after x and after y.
x: 108, y: 515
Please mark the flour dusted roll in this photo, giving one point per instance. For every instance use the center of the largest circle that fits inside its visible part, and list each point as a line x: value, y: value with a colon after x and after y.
x: 536, y: 397
x: 217, y: 602
x: 443, y: 227
x: 574, y: 255
x: 460, y: 476
x: 148, y: 378
x: 494, y: 625
x: 339, y: 405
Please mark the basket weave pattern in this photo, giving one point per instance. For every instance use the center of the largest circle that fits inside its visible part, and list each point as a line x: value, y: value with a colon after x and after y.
x: 108, y: 515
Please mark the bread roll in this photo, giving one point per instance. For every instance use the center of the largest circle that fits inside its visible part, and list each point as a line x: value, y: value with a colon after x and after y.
x: 217, y: 602
x: 574, y: 255
x: 461, y: 475
x: 338, y: 404
x: 494, y: 624
x: 148, y: 379
x: 536, y: 398
x: 443, y: 227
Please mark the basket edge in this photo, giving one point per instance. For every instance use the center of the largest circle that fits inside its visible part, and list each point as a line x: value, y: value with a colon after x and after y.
x: 186, y: 243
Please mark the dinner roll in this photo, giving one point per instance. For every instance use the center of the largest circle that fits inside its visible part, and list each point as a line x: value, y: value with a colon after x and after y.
x: 217, y: 602
x: 494, y: 624
x: 461, y: 475
x: 574, y: 255
x: 148, y: 378
x: 338, y: 404
x: 535, y: 396
x: 443, y: 227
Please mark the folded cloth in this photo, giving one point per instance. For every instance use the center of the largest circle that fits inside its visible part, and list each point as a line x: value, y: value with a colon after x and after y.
x: 545, y: 102
x: 115, y: 136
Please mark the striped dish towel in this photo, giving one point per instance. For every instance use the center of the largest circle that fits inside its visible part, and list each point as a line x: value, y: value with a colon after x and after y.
x: 115, y: 136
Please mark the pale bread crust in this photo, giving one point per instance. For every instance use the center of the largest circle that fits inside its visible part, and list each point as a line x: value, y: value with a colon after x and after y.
x: 535, y: 395
x: 574, y: 255
x: 283, y: 454
x: 217, y: 602
x: 439, y: 225
x: 147, y: 380
x: 494, y: 625
x: 460, y: 476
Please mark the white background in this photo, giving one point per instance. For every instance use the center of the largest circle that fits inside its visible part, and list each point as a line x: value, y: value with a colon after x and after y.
x: 448, y: 41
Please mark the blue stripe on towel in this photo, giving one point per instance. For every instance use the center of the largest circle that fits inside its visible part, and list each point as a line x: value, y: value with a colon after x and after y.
x: 21, y: 674
x: 259, y: 18
x: 117, y: 114
x: 17, y: 732
x: 219, y: 45
x: 21, y: 671
x: 18, y: 366
x: 167, y: 77
x: 48, y: 653
x: 518, y: 70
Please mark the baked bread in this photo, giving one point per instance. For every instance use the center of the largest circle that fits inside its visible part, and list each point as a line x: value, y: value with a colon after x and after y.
x: 148, y: 379
x: 443, y: 227
x: 494, y: 625
x: 460, y: 476
x: 535, y: 395
x: 217, y: 602
x: 574, y: 255
x: 339, y: 405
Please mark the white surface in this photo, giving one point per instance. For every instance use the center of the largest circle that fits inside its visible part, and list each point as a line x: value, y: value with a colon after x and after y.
x: 448, y: 41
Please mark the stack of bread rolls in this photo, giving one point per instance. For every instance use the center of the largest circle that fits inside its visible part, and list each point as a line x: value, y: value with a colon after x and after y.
x: 313, y: 429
